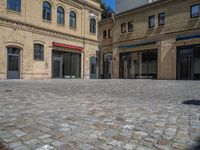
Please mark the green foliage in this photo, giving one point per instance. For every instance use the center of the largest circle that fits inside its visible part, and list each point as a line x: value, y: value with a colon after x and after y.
x: 107, y: 11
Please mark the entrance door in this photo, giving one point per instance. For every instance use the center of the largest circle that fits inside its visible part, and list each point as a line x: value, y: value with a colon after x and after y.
x: 125, y: 67
x: 107, y: 70
x: 13, y: 63
x: 185, y: 68
x: 93, y: 64
x: 57, y: 67
x: 185, y: 64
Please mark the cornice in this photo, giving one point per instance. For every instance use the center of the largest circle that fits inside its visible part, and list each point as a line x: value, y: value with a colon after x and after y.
x: 81, y: 4
x: 44, y: 31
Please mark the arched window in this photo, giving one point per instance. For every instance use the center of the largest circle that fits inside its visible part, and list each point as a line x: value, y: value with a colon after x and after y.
x: 38, y: 52
x: 60, y: 15
x: 46, y: 11
x: 92, y: 25
x: 14, y: 5
x: 72, y: 20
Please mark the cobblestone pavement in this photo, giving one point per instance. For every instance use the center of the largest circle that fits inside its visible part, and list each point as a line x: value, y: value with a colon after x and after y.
x: 100, y: 114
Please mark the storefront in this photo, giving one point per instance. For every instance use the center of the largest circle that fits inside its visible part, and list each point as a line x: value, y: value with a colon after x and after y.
x: 139, y: 65
x: 66, y: 64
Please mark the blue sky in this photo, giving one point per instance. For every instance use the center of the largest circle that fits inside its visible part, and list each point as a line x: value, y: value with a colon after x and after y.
x: 111, y: 3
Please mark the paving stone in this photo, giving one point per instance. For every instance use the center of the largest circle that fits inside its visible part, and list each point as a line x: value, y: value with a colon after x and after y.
x: 15, y: 144
x: 102, y: 114
x: 45, y: 147
x: 18, y: 133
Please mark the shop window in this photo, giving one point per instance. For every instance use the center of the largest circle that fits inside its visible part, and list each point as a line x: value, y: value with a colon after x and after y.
x: 123, y: 28
x: 38, y: 52
x: 14, y: 5
x: 197, y: 62
x: 195, y: 11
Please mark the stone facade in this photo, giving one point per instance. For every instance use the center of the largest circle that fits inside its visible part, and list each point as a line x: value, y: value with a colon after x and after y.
x: 23, y: 29
x: 165, y: 38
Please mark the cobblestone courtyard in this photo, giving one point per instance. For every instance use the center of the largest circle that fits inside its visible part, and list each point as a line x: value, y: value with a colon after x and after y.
x: 99, y: 114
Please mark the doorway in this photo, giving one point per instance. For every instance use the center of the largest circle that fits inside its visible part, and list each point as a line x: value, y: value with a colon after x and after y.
x: 185, y: 63
x: 13, y: 63
x: 93, y: 65
x: 66, y: 65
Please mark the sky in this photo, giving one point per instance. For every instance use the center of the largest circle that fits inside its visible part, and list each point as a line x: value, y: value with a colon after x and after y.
x: 111, y: 3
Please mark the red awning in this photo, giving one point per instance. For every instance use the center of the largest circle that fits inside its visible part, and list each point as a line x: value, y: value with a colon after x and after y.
x: 78, y: 48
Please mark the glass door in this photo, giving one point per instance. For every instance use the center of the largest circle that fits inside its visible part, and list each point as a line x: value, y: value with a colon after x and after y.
x: 57, y: 66
x: 185, y: 64
x: 13, y: 63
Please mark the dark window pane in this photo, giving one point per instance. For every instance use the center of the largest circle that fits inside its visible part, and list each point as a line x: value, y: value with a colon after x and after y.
x: 72, y: 19
x: 161, y: 19
x: 123, y: 28
x: 38, y: 52
x: 151, y: 21
x: 92, y: 25
x: 46, y: 11
x: 60, y: 15
x: 104, y: 34
x: 195, y: 11
x: 109, y: 33
x: 130, y: 26
x: 14, y: 5
x: 197, y: 63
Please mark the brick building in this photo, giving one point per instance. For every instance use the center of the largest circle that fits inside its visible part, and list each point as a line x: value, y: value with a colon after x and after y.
x: 160, y: 40
x: 43, y: 39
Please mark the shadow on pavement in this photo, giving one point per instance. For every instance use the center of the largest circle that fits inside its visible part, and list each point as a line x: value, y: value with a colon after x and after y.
x: 192, y: 102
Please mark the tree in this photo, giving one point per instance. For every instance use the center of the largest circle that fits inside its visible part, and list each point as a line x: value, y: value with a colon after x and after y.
x: 107, y: 11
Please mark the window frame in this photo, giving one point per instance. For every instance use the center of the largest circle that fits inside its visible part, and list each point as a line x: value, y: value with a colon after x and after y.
x: 93, y: 25
x: 123, y: 25
x: 11, y: 9
x: 191, y: 15
x: 159, y: 19
x: 38, y: 52
x: 129, y: 23
x: 59, y: 13
x: 71, y: 19
x: 45, y: 13
x: 149, y: 21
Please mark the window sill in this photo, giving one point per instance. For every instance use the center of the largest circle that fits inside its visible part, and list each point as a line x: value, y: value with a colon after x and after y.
x: 194, y: 19
x: 47, y: 21
x: 60, y: 25
x: 14, y: 12
x: 71, y: 28
x: 94, y: 34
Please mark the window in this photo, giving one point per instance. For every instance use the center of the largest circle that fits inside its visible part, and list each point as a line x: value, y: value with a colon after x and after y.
x: 123, y: 28
x: 38, y: 52
x: 195, y: 11
x: 46, y: 11
x: 151, y: 21
x: 109, y: 33
x: 72, y: 20
x: 92, y: 25
x: 14, y: 5
x: 161, y: 19
x: 60, y: 16
x: 130, y: 26
x: 104, y: 34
